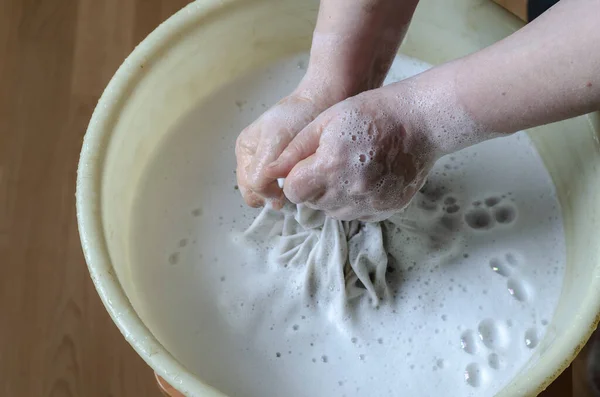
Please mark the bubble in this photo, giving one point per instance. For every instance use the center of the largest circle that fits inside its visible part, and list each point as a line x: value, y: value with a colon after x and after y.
x: 449, y: 200
x: 468, y: 342
x: 491, y: 201
x: 544, y: 322
x: 505, y: 214
x: 174, y: 258
x: 449, y: 222
x: 494, y: 361
x: 277, y: 354
x: 295, y: 327
x: 531, y: 338
x: 518, y: 289
x: 197, y: 212
x: 493, y: 334
x: 426, y: 205
x: 452, y: 209
x: 380, y: 341
x: 478, y: 219
x: 354, y: 340
x: 511, y: 259
x: 440, y: 363
x: 240, y: 104
x: 474, y: 375
x: 324, y: 359
x: 183, y: 242
x: 499, y: 267
x: 362, y: 158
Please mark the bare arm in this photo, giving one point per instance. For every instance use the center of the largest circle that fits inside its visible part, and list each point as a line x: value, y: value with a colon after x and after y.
x: 548, y: 71
x: 354, y: 44
x: 545, y: 72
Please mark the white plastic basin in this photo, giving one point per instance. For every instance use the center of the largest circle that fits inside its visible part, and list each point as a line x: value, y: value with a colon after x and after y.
x: 211, y: 42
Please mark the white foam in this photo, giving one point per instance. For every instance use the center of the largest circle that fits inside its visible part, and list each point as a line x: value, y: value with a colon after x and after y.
x: 242, y: 325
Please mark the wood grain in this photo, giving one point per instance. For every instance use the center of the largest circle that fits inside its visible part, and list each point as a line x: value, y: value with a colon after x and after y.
x: 517, y: 7
x: 55, y: 59
x: 56, y: 339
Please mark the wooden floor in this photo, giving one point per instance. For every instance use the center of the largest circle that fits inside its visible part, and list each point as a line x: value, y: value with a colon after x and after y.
x: 56, y: 56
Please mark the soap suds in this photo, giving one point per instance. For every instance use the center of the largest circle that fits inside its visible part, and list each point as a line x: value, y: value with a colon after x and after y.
x: 247, y: 325
x: 336, y: 262
x: 368, y: 162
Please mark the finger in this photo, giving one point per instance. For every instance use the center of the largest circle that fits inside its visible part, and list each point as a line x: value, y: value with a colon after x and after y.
x: 270, y: 191
x: 252, y: 199
x: 304, y: 182
x: 259, y: 182
x: 268, y: 151
x: 243, y: 155
x: 302, y: 146
x: 278, y: 203
x: 256, y: 182
x: 278, y: 133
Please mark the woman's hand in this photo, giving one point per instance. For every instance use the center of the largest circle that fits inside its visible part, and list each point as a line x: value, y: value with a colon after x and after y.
x: 363, y: 158
x: 353, y: 46
x: 263, y: 141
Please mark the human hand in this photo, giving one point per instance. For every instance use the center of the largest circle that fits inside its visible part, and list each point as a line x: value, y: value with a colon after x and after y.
x: 263, y: 141
x: 351, y: 52
x: 363, y: 158
x: 367, y: 156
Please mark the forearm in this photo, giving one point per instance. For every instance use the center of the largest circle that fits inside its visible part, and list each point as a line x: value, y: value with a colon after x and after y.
x: 547, y: 71
x: 354, y: 44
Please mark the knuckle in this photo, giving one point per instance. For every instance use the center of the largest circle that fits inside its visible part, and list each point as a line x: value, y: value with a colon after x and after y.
x: 256, y: 179
x: 253, y: 200
x: 292, y: 192
x: 242, y: 146
x: 256, y: 185
x: 253, y: 203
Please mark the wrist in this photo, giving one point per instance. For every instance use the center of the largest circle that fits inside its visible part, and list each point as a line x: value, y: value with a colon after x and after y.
x: 431, y: 101
x: 345, y: 65
x: 323, y: 88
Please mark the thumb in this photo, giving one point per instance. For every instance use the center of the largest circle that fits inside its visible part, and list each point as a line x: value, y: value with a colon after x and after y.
x: 302, y: 146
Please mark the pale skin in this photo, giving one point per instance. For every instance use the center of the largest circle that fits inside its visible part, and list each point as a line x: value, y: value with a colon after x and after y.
x: 545, y: 72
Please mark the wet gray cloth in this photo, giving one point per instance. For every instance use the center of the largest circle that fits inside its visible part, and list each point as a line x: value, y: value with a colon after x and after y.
x: 350, y: 259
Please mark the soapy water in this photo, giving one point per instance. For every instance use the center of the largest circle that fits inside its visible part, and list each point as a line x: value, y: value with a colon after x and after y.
x: 470, y: 292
